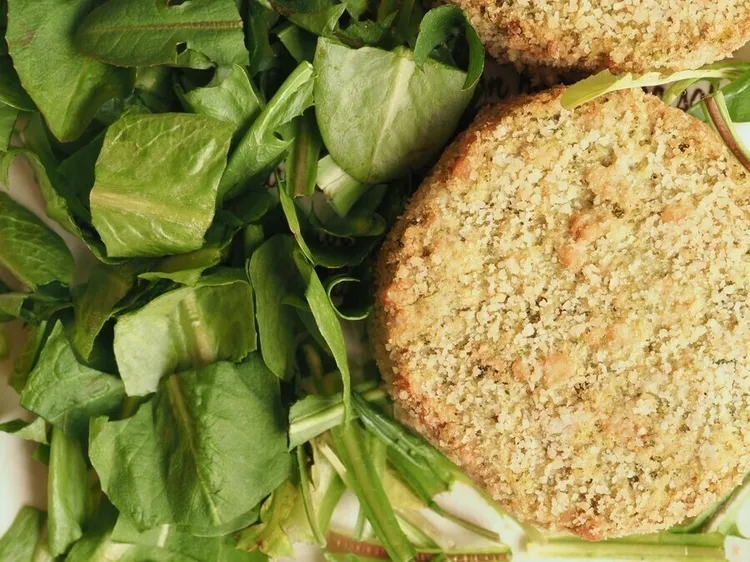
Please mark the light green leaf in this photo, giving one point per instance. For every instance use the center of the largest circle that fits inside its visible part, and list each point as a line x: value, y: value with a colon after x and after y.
x: 341, y: 189
x: 268, y: 535
x: 30, y: 431
x: 274, y: 278
x: 228, y: 97
x: 20, y: 540
x: 187, y: 269
x: 184, y: 328
x: 191, y: 463
x: 260, y: 150
x: 151, y: 32
x: 29, y: 249
x: 40, y: 40
x: 67, y: 393
x: 68, y: 493
x: 156, y: 186
x: 371, y: 109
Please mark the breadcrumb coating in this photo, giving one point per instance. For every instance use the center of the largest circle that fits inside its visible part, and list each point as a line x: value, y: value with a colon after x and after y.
x: 564, y: 310
x: 622, y: 35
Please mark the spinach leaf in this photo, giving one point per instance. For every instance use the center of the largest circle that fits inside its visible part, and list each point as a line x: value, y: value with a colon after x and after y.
x: 268, y: 535
x: 192, y: 464
x: 40, y: 40
x: 230, y: 96
x: 378, y: 114
x: 30, y: 431
x: 152, y: 32
x: 302, y: 162
x: 67, y: 393
x: 439, y: 25
x: 69, y: 497
x: 8, y: 118
x: 30, y: 250
x: 260, y: 150
x: 274, y: 276
x: 187, y: 327
x: 20, y: 540
x: 156, y: 186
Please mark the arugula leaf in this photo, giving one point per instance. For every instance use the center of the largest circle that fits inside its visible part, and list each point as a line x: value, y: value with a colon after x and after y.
x: 157, y: 198
x: 187, y: 327
x: 191, y: 463
x: 20, y: 540
x: 152, y: 32
x: 40, y: 40
x: 68, y: 491
x: 371, y: 111
x: 230, y: 96
x: 30, y: 250
x: 260, y: 150
x: 438, y: 26
x: 30, y: 431
x: 268, y: 535
x: 67, y: 393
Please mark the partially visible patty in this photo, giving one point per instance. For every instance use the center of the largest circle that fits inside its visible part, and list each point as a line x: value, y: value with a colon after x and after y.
x: 564, y: 310
x: 622, y: 35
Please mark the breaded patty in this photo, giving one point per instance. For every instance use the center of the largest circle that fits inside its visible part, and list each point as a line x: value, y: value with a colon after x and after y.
x: 622, y: 35
x: 564, y: 310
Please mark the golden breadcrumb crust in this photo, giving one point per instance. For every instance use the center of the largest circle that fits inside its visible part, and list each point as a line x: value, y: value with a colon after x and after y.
x: 622, y: 35
x: 564, y: 310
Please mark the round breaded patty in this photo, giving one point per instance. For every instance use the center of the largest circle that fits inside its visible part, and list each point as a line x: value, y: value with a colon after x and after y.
x: 564, y: 310
x: 623, y: 35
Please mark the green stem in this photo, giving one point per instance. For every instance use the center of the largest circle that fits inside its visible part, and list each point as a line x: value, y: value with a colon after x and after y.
x: 307, y: 497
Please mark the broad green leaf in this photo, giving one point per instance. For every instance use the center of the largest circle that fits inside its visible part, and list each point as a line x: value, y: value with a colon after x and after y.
x: 69, y: 497
x: 187, y: 269
x: 274, y: 276
x: 153, y: 32
x: 29, y: 249
x: 12, y: 93
x: 156, y: 186
x: 191, y: 463
x: 371, y: 109
x: 20, y: 540
x: 268, y: 535
x: 67, y: 393
x: 36, y: 336
x: 94, y: 306
x: 30, y: 431
x: 228, y: 97
x: 184, y: 328
x: 8, y: 117
x: 40, y: 40
x: 441, y: 24
x: 302, y: 162
x: 260, y: 150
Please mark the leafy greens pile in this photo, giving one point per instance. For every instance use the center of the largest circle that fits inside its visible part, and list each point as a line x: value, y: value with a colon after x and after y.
x: 232, y: 165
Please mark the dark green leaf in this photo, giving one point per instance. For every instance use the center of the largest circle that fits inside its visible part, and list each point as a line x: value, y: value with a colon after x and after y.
x: 258, y: 20
x: 67, y: 393
x: 191, y: 463
x: 299, y: 42
x: 68, y: 493
x: 302, y: 162
x: 30, y: 431
x: 36, y: 336
x: 12, y: 93
x: 158, y: 198
x: 29, y: 249
x: 356, y: 307
x: 438, y: 26
x: 322, y: 23
x: 187, y: 327
x: 152, y: 32
x: 8, y: 117
x: 260, y: 150
x: 40, y: 40
x: 372, y: 111
x: 20, y: 540
x: 78, y: 172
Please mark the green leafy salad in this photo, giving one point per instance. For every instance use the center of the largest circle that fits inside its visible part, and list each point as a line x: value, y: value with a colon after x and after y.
x: 204, y: 392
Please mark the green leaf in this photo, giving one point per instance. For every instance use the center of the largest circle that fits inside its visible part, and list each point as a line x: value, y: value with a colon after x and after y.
x: 184, y: 328
x: 327, y: 322
x: 153, y: 32
x: 736, y: 97
x: 27, y: 358
x: 260, y: 150
x: 29, y: 249
x: 322, y: 23
x: 372, y: 111
x: 20, y: 540
x: 274, y: 277
x: 40, y: 40
x: 30, y: 431
x: 191, y: 463
x: 302, y: 162
x: 68, y: 493
x: 268, y: 536
x: 441, y: 24
x: 341, y: 189
x: 8, y: 117
x: 157, y: 181
x: 67, y: 393
x: 12, y: 93
x: 187, y: 269
x: 299, y: 42
x: 78, y: 172
x: 228, y: 97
